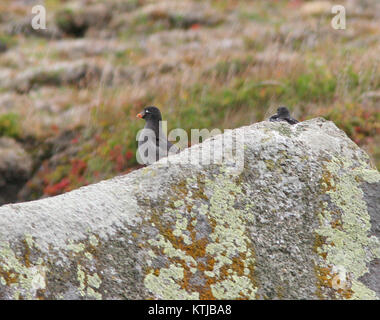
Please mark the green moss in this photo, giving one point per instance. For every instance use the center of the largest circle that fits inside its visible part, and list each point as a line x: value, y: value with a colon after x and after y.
x: 10, y: 125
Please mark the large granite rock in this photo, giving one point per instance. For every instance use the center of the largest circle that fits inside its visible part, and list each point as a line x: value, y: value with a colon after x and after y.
x: 299, y: 221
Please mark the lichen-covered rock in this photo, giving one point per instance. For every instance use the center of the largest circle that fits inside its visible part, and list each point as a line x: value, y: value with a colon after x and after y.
x: 299, y: 221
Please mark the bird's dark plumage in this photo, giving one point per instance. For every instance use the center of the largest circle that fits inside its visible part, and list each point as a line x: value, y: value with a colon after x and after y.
x: 155, y: 141
x: 283, y: 114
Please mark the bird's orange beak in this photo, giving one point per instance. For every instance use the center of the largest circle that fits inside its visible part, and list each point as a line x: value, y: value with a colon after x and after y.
x: 139, y: 115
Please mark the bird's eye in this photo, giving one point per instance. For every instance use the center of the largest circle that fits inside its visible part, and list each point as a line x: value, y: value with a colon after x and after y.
x: 146, y: 111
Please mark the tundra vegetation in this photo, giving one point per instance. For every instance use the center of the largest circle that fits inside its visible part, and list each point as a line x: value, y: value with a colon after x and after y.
x: 69, y: 94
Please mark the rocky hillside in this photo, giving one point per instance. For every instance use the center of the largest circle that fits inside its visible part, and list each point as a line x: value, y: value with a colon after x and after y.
x: 69, y: 94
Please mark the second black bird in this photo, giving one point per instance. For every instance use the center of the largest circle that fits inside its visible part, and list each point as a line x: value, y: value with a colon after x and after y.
x: 283, y: 114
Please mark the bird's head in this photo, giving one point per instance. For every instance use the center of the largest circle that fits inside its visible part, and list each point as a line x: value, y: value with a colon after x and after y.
x: 150, y: 113
x: 283, y: 111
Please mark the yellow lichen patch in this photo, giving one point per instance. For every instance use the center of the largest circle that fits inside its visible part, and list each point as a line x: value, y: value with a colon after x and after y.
x: 218, y: 265
x: 85, y: 255
x: 328, y: 182
x: 343, y: 239
x: 27, y: 253
x: 27, y: 280
x: 337, y: 224
x: 166, y: 284
x: 88, y: 283
x: 75, y: 247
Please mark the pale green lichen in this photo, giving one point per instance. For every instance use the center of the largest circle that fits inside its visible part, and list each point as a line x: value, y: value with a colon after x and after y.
x: 88, y: 283
x: 284, y: 129
x: 180, y: 227
x: 81, y: 278
x: 24, y: 279
x: 94, y: 281
x: 170, y: 251
x: 233, y: 288
x: 166, y: 286
x: 29, y: 240
x: 76, y: 247
x: 351, y: 248
x: 229, y: 236
x: 93, y: 240
x: 93, y: 294
x: 228, y: 242
x: 88, y: 255
x: 178, y: 203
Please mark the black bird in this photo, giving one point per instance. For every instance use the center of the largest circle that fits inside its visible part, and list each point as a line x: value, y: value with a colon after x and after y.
x: 152, y: 142
x: 283, y: 114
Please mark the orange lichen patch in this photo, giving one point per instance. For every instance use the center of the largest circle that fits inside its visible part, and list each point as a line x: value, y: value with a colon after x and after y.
x: 40, y: 294
x: 9, y: 276
x: 323, y: 281
x: 238, y: 264
x: 323, y: 255
x: 330, y: 280
x: 327, y: 182
x: 198, y: 265
x: 186, y: 277
x: 27, y: 253
x: 319, y: 271
x: 326, y: 279
x: 196, y: 250
x: 318, y: 242
x: 206, y: 293
x: 180, y: 189
x: 337, y: 224
x: 346, y: 293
